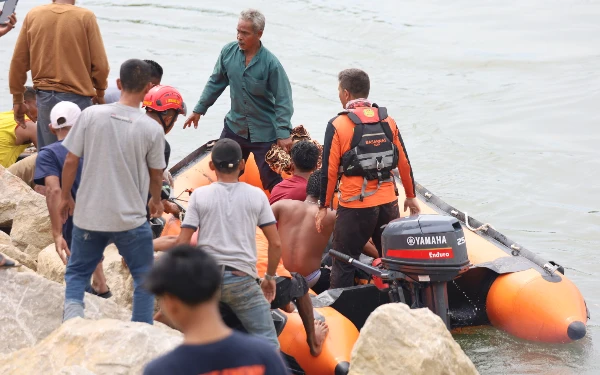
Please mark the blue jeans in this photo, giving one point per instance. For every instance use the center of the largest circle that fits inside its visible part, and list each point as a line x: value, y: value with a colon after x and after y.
x: 268, y: 177
x: 134, y: 245
x: 246, y: 299
x: 46, y: 100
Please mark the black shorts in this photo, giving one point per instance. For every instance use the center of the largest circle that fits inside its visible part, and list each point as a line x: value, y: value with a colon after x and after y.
x: 289, y: 289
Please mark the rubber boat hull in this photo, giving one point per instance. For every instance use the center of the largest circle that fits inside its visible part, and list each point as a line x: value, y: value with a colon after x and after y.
x: 504, y: 288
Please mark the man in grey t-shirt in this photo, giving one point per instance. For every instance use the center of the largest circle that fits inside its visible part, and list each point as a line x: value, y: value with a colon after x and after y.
x: 123, y: 151
x: 227, y: 213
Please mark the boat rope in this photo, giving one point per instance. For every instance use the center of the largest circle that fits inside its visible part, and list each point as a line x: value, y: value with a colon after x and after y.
x: 483, y: 227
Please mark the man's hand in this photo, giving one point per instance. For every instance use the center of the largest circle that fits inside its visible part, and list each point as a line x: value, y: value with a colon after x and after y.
x: 164, y: 243
x: 156, y: 207
x: 413, y: 204
x: 8, y: 26
x: 66, y: 208
x: 98, y: 100
x: 194, y: 117
x: 171, y: 208
x: 285, y: 144
x: 61, y: 248
x: 268, y: 287
x: 319, y: 218
x: 20, y: 110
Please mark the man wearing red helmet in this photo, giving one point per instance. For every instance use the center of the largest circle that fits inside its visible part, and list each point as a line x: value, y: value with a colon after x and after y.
x: 164, y: 104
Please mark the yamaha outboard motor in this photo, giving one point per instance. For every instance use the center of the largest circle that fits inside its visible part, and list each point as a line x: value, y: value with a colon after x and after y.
x: 430, y: 250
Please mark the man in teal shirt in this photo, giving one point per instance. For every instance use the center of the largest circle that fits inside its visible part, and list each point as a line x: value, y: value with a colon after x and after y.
x: 261, y: 95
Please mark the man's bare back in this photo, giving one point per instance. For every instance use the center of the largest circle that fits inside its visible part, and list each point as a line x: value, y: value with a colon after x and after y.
x: 302, y: 246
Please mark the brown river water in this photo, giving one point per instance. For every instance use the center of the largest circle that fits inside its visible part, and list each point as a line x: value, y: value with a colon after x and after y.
x: 497, y: 102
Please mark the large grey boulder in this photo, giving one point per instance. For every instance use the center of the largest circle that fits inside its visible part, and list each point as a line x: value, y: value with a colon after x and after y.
x: 31, y: 225
x: 103, y: 347
x: 12, y: 191
x: 398, y: 340
x: 31, y: 308
x: 50, y: 265
x: 17, y: 255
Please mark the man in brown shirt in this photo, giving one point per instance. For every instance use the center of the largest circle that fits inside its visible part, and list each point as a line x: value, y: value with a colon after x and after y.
x: 62, y: 46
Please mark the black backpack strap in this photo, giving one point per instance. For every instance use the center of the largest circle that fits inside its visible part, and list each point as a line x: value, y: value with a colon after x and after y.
x: 382, y: 113
x: 385, y: 126
x: 354, y: 118
x: 357, y: 136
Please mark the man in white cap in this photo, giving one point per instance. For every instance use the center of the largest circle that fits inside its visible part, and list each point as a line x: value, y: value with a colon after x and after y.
x: 48, y: 172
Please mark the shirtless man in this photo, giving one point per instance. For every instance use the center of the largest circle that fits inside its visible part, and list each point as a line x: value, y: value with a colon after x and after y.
x: 302, y: 246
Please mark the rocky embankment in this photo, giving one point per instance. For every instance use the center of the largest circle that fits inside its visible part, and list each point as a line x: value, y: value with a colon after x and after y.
x: 34, y: 340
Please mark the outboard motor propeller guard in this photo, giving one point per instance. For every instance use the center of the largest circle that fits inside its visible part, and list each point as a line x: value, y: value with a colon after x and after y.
x: 430, y: 250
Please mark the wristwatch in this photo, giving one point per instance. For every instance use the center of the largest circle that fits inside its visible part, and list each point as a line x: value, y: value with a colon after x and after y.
x: 269, y: 277
x: 320, y: 205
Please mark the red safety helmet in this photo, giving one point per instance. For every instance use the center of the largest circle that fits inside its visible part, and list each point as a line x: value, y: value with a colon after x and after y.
x: 162, y: 98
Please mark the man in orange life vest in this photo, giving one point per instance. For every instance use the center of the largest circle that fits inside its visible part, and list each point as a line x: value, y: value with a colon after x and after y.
x: 363, y: 145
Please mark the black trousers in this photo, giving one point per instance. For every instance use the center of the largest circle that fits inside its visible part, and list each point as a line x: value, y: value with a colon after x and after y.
x: 353, y: 228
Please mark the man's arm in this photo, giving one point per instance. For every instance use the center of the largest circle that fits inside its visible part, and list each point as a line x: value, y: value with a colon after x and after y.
x: 67, y: 205
x: 269, y: 286
x: 53, y: 199
x: 24, y: 136
x: 191, y: 222
x: 331, y: 165
x: 215, y: 86
x: 272, y: 235
x: 279, y: 85
x: 405, y: 169
x: 100, y: 67
x: 53, y: 196
x: 155, y: 204
x: 370, y: 250
x: 17, y: 76
x: 19, y: 66
x: 185, y: 236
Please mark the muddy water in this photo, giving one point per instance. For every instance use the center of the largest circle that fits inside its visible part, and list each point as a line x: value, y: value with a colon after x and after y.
x: 498, y: 103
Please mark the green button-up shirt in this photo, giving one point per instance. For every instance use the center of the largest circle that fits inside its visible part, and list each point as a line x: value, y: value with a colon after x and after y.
x: 261, y: 94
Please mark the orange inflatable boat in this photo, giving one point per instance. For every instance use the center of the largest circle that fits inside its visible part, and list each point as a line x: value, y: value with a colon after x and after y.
x: 506, y: 285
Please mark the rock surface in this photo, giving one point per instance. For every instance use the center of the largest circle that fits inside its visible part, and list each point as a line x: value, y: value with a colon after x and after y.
x: 415, y: 342
x: 31, y: 224
x: 5, y: 239
x: 19, y: 256
x: 100, y: 347
x: 13, y: 190
x: 50, y: 265
x: 31, y: 308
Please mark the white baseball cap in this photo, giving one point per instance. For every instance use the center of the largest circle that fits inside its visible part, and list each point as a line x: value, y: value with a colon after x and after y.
x: 68, y: 111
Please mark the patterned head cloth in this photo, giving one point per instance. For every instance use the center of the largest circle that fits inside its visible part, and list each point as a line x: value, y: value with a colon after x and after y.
x: 280, y: 161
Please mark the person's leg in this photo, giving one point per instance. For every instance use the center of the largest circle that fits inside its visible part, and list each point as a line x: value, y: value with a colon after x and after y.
x: 316, y: 330
x: 45, y: 103
x: 352, y: 230
x: 6, y: 263
x: 268, y: 177
x: 25, y: 169
x: 243, y: 142
x: 135, y: 246
x: 323, y: 282
x: 86, y: 251
x: 387, y: 212
x: 99, y: 280
x: 246, y: 299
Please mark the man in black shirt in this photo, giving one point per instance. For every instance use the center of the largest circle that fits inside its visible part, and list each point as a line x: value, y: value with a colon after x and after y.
x: 164, y: 104
x: 187, y: 282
